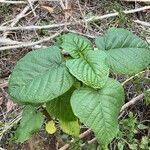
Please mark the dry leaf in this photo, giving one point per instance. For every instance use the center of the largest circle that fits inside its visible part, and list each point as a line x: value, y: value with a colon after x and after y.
x: 50, y: 9
x: 9, y: 105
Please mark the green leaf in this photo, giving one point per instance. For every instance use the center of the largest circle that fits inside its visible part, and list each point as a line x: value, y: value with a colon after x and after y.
x: 127, y: 53
x: 144, y: 145
x: 90, y: 69
x: 142, y: 126
x: 50, y: 127
x: 30, y: 123
x: 99, y: 109
x: 147, y: 97
x: 61, y: 109
x: 39, y: 77
x: 75, y: 45
x: 120, y: 145
x: 133, y: 146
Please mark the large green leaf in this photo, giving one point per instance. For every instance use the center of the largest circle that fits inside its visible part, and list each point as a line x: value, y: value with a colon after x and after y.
x: 75, y: 45
x: 99, y: 109
x: 30, y: 123
x: 61, y: 109
x: 127, y: 53
x: 40, y: 76
x: 90, y: 69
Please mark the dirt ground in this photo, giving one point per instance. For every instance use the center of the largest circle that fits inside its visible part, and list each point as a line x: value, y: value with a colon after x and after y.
x: 26, y: 25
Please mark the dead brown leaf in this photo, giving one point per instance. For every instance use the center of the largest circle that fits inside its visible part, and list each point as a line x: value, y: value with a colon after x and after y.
x: 10, y: 105
x: 48, y: 8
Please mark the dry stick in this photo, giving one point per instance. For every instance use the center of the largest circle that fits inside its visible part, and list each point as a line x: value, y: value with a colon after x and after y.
x: 3, y: 28
x: 94, y: 18
x: 147, y: 24
x: 124, y: 107
x: 31, y: 6
x: 3, y: 85
x: 18, y: 17
x: 62, y: 4
x: 76, y: 32
x: 13, y: 2
x: 16, y: 20
x: 24, y: 14
x: 7, y: 41
x: 132, y: 102
x: 30, y: 44
x: 90, y: 142
x: 137, y: 0
x: 11, y: 124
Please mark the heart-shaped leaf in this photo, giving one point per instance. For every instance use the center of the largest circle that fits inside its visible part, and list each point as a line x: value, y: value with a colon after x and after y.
x: 76, y: 45
x: 39, y: 77
x: 90, y: 69
x: 99, y: 109
x: 127, y: 53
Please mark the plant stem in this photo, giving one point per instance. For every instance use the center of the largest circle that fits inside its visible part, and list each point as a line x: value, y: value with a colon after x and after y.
x: 105, y: 147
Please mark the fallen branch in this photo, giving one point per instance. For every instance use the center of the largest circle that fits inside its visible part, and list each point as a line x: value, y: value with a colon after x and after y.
x: 30, y: 44
x: 7, y: 41
x: 137, y: 0
x: 11, y: 124
x: 3, y: 85
x: 31, y: 6
x: 17, y: 18
x: 147, y: 24
x: 94, y: 18
x: 132, y: 102
x: 12, y: 2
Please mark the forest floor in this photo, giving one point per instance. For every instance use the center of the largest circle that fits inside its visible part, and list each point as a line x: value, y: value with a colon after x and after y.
x: 30, y: 24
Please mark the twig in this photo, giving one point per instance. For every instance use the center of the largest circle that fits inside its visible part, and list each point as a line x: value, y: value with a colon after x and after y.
x: 7, y: 41
x: 62, y: 4
x: 32, y: 27
x: 12, y: 2
x: 92, y: 141
x: 89, y: 142
x: 18, y: 17
x: 133, y: 77
x: 94, y: 18
x: 132, y: 102
x: 116, y: 14
x: 30, y: 44
x: 2, y: 148
x: 137, y: 0
x: 87, y: 35
x: 31, y: 6
x: 84, y: 134
x: 3, y: 85
x: 147, y: 24
x: 66, y: 146
x: 11, y: 124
